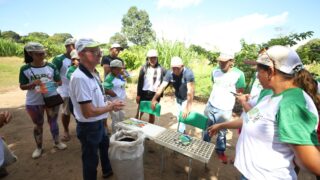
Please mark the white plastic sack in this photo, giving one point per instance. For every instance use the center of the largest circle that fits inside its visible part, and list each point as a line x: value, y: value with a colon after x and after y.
x: 126, y: 155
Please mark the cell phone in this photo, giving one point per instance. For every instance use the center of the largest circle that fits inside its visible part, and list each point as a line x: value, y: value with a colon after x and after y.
x: 235, y: 94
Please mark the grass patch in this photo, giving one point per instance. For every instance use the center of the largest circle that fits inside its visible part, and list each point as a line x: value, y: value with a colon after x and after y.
x: 9, y: 72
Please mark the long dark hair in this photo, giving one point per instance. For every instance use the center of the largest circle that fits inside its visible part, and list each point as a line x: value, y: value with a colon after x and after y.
x: 27, y: 57
x: 147, y: 62
x: 305, y: 81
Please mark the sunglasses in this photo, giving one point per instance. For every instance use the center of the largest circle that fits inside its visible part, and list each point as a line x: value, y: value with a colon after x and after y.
x: 95, y: 53
x: 39, y: 53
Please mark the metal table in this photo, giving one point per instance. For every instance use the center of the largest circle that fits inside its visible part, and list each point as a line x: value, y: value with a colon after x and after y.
x: 197, y: 149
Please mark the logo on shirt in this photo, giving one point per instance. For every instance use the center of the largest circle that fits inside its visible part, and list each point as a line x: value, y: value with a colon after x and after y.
x: 253, y: 115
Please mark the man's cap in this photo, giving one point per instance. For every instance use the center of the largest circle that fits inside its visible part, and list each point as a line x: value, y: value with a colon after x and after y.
x: 74, y: 54
x: 70, y: 41
x: 116, y: 63
x: 116, y: 45
x: 81, y: 44
x: 176, y: 62
x: 34, y: 47
x: 225, y: 57
x: 282, y: 58
x: 152, y: 53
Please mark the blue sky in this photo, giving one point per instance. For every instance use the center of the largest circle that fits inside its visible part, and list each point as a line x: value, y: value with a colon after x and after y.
x: 211, y: 24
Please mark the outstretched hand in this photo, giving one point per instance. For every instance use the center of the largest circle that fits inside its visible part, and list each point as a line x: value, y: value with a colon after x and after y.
x: 213, y: 130
x: 5, y: 118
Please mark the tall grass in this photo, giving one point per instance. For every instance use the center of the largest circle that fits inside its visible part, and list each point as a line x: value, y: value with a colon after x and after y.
x: 10, y: 48
x: 9, y: 72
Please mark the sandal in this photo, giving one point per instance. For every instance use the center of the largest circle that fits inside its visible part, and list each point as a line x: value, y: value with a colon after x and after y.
x: 65, y: 138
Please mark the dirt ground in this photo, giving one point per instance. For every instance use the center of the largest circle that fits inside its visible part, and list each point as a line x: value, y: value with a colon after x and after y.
x: 66, y: 164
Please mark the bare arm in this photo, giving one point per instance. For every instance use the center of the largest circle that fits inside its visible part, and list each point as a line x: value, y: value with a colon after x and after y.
x: 226, y: 125
x: 106, y: 69
x: 190, y: 95
x: 161, y: 88
x: 307, y: 157
x: 31, y: 85
x: 88, y: 110
x: 110, y: 92
x: 243, y: 100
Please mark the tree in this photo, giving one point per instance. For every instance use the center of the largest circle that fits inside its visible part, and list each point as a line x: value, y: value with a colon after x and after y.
x: 211, y: 56
x: 137, y: 27
x: 60, y: 37
x: 11, y: 35
x: 310, y: 52
x: 119, y: 38
x: 290, y: 40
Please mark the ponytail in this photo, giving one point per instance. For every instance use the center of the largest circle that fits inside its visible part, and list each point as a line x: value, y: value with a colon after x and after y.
x: 27, y: 57
x: 305, y: 81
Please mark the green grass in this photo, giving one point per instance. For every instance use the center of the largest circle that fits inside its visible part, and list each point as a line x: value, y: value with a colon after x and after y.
x: 9, y: 72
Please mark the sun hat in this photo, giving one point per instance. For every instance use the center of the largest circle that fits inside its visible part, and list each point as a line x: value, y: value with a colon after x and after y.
x: 116, y: 63
x: 116, y: 45
x: 81, y: 44
x: 176, y: 62
x: 70, y: 41
x: 34, y: 47
x: 282, y: 58
x: 74, y: 54
x: 225, y: 57
x: 152, y: 53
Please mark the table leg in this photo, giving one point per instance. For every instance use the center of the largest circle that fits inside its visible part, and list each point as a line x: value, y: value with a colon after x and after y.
x: 162, y: 159
x: 190, y: 168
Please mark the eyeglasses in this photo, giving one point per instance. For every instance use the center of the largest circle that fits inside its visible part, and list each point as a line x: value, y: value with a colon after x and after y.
x: 95, y: 53
x: 39, y: 53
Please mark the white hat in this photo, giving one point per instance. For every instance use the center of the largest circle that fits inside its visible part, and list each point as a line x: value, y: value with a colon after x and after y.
x: 152, y: 53
x: 116, y: 63
x: 116, y: 45
x: 285, y: 59
x: 70, y: 41
x: 225, y: 57
x: 74, y: 54
x: 81, y: 44
x: 34, y: 47
x: 176, y: 62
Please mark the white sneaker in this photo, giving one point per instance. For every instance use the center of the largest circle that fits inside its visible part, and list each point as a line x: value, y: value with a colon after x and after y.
x: 37, y: 153
x: 60, y: 146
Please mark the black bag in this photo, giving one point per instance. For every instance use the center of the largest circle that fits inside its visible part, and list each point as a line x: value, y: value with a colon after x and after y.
x: 52, y: 101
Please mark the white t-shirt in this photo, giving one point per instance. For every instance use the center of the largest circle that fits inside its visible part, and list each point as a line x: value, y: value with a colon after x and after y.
x: 148, y: 84
x: 63, y: 63
x: 262, y: 150
x: 117, y: 85
x: 84, y: 88
x: 223, y: 84
x: 29, y: 73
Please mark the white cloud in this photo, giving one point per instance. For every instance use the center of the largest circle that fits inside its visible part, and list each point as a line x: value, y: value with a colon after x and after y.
x: 177, y: 4
x: 100, y: 33
x: 222, y: 35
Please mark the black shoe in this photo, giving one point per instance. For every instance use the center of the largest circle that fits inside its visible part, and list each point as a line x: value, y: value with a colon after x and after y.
x: 106, y: 175
x: 3, y: 172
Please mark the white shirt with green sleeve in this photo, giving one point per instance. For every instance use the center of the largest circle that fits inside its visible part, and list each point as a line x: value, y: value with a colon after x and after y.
x: 263, y: 149
x: 223, y: 84
x: 117, y: 85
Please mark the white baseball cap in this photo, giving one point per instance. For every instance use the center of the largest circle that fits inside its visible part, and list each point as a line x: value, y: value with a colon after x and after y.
x: 70, y: 41
x: 34, y: 47
x: 152, y: 53
x: 225, y: 57
x: 74, y: 54
x: 81, y: 44
x: 116, y: 45
x: 176, y: 62
x: 116, y: 63
x: 285, y: 59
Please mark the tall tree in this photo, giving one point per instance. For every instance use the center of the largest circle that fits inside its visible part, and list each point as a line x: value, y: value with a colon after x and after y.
x: 119, y: 38
x: 11, y: 35
x: 310, y: 52
x: 137, y: 27
x: 60, y: 37
x: 290, y: 40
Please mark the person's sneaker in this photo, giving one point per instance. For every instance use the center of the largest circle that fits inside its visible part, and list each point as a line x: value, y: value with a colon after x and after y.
x: 60, y: 146
x: 106, y: 175
x: 37, y: 153
x: 222, y: 157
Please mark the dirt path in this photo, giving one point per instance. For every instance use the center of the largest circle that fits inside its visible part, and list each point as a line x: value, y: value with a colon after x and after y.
x: 66, y: 165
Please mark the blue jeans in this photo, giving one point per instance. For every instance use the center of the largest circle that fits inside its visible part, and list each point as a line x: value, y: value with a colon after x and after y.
x: 93, y: 138
x: 216, y: 116
x: 181, y: 104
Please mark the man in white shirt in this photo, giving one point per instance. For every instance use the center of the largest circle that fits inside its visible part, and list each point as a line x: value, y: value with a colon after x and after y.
x: 90, y: 110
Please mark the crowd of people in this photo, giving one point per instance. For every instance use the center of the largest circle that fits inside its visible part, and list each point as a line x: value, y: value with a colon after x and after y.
x: 279, y: 131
